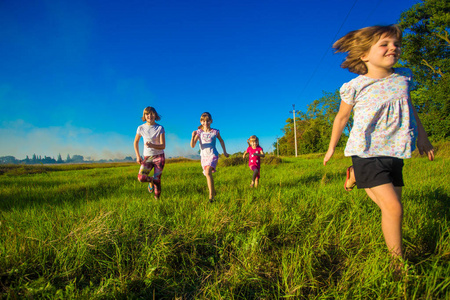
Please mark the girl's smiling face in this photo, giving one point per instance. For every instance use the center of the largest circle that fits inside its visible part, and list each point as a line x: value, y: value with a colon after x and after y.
x: 150, y: 118
x: 206, y: 123
x: 254, y: 144
x: 383, y: 55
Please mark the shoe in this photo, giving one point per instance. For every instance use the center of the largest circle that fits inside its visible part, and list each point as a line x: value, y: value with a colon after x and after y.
x: 212, y: 200
x: 151, y: 187
x: 348, y: 186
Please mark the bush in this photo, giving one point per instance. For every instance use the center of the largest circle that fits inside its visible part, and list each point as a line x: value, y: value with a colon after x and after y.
x: 271, y: 160
x: 179, y: 160
x: 232, y: 160
x: 236, y: 160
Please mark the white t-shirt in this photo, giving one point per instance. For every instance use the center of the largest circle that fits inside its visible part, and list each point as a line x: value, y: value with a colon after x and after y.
x: 151, y: 133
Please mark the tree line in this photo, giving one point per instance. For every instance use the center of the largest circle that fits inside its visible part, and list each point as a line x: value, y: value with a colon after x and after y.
x: 425, y: 50
x: 38, y: 159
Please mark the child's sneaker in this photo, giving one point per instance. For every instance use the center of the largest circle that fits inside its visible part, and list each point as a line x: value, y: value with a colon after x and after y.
x: 151, y: 187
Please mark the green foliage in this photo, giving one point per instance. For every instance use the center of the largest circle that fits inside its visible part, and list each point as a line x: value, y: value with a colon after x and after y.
x: 313, y: 127
x: 97, y: 233
x: 425, y: 46
x: 237, y: 160
x: 426, y: 50
x: 15, y: 170
x: 433, y: 106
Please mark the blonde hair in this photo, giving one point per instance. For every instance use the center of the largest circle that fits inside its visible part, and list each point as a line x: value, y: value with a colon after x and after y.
x: 150, y: 110
x: 205, y: 117
x: 358, y: 42
x: 253, y: 138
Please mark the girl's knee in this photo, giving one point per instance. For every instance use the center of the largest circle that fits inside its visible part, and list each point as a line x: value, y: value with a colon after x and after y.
x: 142, y: 178
x: 394, y: 209
x: 397, y: 210
x: 208, y: 170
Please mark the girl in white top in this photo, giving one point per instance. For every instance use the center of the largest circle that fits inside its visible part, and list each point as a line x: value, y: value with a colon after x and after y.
x: 155, y: 143
x: 386, y: 125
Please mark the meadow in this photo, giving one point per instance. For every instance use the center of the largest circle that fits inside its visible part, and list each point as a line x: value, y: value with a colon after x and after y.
x: 94, y: 232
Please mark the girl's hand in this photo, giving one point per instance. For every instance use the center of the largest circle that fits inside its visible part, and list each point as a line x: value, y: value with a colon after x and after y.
x: 194, y: 138
x: 328, y: 156
x: 139, y: 159
x: 425, y: 147
x: 149, y: 145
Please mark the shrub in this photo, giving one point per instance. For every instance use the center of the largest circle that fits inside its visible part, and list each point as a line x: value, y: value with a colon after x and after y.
x: 236, y: 160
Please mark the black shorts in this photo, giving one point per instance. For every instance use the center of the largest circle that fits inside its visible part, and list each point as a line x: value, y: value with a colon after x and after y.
x: 374, y: 171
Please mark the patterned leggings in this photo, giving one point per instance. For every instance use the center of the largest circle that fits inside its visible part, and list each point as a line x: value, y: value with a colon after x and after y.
x: 147, y: 165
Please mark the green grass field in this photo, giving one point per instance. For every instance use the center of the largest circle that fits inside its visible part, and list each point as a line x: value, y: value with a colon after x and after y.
x: 94, y: 232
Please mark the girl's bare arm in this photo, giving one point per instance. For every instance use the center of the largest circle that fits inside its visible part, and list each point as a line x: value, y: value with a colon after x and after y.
x: 161, y: 145
x: 136, y: 148
x: 194, y: 138
x: 222, y: 143
x: 339, y: 123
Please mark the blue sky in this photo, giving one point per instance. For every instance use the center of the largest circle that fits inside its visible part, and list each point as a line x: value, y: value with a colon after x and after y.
x: 76, y: 75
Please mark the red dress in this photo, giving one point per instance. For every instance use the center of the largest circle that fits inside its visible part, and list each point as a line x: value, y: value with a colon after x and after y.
x: 254, y: 162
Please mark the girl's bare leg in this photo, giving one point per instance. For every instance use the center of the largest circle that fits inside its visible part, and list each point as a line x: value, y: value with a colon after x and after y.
x: 210, y: 181
x: 254, y: 178
x: 388, y: 199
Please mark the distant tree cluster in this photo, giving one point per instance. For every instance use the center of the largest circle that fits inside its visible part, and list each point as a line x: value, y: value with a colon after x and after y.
x: 313, y: 128
x: 426, y: 51
x: 50, y: 160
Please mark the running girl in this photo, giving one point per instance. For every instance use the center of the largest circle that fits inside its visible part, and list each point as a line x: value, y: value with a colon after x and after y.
x: 208, y: 152
x: 255, y: 152
x: 155, y: 143
x: 386, y: 123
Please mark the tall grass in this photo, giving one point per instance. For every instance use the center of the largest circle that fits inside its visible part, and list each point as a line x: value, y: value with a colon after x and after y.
x: 98, y: 233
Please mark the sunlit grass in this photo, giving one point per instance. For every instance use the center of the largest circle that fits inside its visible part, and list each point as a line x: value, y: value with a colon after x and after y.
x: 97, y: 232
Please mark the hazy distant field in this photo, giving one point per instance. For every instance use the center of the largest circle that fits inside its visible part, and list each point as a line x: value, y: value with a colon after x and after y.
x: 69, y: 232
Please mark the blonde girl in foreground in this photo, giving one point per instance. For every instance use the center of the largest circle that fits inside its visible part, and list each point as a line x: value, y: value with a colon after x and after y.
x: 208, y: 152
x: 255, y: 152
x: 154, y: 145
x: 386, y: 124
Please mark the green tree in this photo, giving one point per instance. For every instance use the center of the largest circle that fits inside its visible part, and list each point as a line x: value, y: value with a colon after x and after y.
x: 433, y: 107
x: 426, y: 50
x: 425, y: 46
x: 77, y: 158
x: 313, y: 127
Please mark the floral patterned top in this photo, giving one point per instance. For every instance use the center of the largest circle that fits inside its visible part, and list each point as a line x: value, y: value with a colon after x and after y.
x: 207, y: 142
x: 384, y: 123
